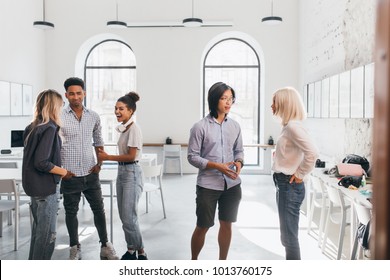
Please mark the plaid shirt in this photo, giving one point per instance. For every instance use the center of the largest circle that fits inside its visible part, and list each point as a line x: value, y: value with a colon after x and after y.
x: 79, y: 140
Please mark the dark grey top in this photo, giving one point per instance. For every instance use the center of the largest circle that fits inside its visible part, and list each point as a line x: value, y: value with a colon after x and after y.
x: 41, y: 153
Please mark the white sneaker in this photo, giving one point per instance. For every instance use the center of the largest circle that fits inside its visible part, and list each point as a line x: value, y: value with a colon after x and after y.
x: 108, y: 252
x: 75, y: 253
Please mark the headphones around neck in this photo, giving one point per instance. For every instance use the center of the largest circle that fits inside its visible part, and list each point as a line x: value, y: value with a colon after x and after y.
x: 122, y: 127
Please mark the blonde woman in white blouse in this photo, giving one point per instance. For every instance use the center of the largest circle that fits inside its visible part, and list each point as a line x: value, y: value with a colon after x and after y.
x: 294, y: 158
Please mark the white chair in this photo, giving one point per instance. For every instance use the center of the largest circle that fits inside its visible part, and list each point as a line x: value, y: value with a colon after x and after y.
x: 172, y: 152
x: 8, y: 188
x: 363, y: 215
x: 318, y: 200
x: 337, y: 214
x: 153, y: 172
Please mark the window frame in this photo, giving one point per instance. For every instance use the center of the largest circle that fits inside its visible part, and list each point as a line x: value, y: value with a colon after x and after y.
x: 258, y: 67
x: 86, y: 67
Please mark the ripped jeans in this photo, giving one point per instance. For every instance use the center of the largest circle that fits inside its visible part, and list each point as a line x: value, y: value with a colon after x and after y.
x: 43, y: 234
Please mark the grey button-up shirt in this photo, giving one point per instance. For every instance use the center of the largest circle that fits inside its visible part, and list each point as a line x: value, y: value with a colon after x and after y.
x: 212, y: 141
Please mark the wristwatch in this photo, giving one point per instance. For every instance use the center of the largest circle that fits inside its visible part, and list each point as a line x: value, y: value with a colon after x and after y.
x: 240, y: 161
x: 99, y: 164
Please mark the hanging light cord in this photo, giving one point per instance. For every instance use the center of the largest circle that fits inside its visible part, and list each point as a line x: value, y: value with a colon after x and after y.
x: 44, y: 10
x: 116, y: 10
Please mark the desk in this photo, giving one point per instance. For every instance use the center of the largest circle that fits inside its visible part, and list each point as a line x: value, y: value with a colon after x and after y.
x: 162, y: 144
x: 11, y: 158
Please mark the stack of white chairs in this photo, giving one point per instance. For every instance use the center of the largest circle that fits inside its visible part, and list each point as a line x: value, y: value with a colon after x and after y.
x: 319, y: 200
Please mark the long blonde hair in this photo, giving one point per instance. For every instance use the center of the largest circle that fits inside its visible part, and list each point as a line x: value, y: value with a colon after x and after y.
x: 47, y: 107
x: 288, y: 105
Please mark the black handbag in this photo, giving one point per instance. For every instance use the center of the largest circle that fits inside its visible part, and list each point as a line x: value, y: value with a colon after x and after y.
x: 346, y: 181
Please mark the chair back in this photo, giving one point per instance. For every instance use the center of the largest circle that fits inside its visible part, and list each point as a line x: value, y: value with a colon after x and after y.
x: 151, y: 171
x: 362, y: 212
x: 335, y: 196
x: 316, y: 184
x: 155, y: 172
x: 172, y: 150
x: 8, y: 186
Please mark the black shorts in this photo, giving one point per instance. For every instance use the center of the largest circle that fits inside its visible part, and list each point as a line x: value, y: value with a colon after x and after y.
x: 206, y: 203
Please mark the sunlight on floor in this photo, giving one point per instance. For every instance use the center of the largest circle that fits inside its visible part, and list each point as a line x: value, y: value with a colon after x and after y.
x: 259, y: 224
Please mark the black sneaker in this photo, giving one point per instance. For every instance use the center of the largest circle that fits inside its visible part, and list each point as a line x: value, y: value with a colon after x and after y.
x: 128, y: 256
x: 142, y: 257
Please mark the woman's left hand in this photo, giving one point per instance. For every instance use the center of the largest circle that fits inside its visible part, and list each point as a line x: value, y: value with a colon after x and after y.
x: 295, y: 179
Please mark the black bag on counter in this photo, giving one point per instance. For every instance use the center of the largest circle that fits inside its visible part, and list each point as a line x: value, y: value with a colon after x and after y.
x: 358, y: 160
x: 346, y: 181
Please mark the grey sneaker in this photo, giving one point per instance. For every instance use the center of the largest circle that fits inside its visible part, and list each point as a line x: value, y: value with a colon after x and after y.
x: 75, y: 253
x: 108, y: 252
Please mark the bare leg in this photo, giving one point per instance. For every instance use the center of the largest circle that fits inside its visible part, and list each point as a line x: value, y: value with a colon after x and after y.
x: 224, y: 238
x: 197, y: 241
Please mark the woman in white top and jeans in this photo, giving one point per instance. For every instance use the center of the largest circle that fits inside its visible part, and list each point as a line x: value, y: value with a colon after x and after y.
x: 129, y: 183
x: 294, y: 158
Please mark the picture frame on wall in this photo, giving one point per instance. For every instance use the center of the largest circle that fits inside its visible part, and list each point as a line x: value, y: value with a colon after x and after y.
x: 5, y: 94
x: 27, y: 100
x: 16, y: 100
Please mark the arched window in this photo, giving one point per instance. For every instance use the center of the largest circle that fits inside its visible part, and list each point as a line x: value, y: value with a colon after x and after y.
x: 110, y: 72
x: 234, y: 62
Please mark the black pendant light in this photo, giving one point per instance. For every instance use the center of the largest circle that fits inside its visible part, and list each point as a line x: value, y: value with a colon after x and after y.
x: 192, y: 21
x: 43, y: 24
x: 116, y: 23
x: 272, y: 20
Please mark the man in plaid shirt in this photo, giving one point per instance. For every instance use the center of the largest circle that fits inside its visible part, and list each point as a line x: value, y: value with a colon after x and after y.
x: 81, y: 131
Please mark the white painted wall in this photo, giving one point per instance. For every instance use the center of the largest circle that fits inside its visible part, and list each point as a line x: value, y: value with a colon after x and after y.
x: 22, y: 55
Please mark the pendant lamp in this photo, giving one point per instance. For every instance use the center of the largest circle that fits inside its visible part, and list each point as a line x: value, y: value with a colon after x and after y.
x: 192, y: 21
x: 272, y: 20
x: 116, y: 23
x: 43, y: 24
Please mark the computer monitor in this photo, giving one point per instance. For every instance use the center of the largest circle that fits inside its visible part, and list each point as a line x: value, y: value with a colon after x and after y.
x: 16, y: 138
